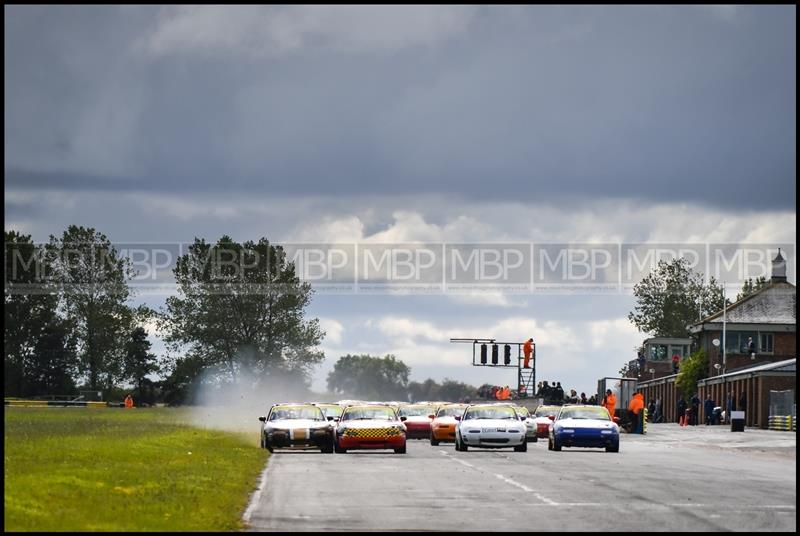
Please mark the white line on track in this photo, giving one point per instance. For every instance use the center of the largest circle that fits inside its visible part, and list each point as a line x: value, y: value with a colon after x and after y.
x: 256, y: 497
x: 510, y: 481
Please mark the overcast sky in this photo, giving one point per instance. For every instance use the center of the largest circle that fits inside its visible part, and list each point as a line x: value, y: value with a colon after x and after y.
x: 411, y: 123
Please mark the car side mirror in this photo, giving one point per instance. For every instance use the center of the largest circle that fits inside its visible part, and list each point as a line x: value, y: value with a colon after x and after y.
x: 262, y: 419
x: 431, y: 417
x: 551, y: 417
x: 403, y: 418
x: 522, y: 417
x: 458, y: 417
x: 336, y: 419
x: 330, y: 417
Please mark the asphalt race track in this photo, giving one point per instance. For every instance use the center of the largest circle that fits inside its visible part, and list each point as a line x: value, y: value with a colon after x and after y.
x: 695, y: 479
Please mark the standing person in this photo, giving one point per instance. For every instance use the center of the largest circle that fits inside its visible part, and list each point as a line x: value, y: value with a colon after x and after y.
x: 676, y: 363
x: 640, y: 360
x: 695, y: 402
x: 681, y: 409
x: 742, y: 406
x: 128, y: 402
x: 527, y: 349
x: 559, y: 393
x: 659, y: 410
x: 730, y: 405
x: 708, y: 409
x: 635, y: 408
x: 583, y: 399
x: 651, y: 409
x: 610, y: 403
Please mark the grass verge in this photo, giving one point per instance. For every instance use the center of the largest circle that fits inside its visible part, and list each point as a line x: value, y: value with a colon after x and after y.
x: 79, y: 469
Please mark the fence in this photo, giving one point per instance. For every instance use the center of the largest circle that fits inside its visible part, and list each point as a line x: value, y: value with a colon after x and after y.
x: 782, y: 411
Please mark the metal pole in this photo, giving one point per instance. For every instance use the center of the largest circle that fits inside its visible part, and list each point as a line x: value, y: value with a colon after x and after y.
x: 724, y: 328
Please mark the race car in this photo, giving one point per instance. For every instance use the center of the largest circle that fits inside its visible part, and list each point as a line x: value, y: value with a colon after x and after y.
x: 418, y: 419
x: 530, y: 426
x: 543, y: 417
x: 296, y: 426
x: 443, y: 426
x: 332, y: 412
x: 584, y: 426
x: 370, y: 427
x: 490, y: 426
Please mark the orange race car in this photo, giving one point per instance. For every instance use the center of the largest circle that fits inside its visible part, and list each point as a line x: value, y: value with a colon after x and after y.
x: 443, y: 427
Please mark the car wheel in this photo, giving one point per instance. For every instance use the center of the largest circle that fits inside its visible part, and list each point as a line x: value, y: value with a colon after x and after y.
x: 401, y: 450
x: 549, y: 444
x: 337, y: 449
x: 522, y: 448
x: 556, y: 445
x: 434, y: 442
x: 613, y: 448
x: 327, y: 448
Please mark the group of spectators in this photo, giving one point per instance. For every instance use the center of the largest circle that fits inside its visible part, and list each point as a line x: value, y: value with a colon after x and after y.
x: 495, y: 391
x: 553, y: 394
x: 713, y: 413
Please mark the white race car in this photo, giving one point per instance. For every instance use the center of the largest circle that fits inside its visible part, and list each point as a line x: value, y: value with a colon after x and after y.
x: 296, y: 426
x: 530, y: 425
x: 490, y: 426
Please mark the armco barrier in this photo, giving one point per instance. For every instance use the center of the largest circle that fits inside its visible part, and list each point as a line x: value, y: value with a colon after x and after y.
x: 780, y: 422
x: 61, y: 403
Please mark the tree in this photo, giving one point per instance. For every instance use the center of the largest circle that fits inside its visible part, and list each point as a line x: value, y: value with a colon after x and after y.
x: 93, y: 284
x: 426, y: 390
x: 139, y: 363
x: 672, y: 297
x: 693, y: 368
x: 39, y: 355
x: 370, y: 377
x: 749, y: 287
x: 241, y: 309
x: 454, y: 391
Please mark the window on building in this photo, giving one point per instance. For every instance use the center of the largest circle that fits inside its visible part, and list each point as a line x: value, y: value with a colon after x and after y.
x: 658, y: 352
x: 766, y: 341
x: 736, y: 342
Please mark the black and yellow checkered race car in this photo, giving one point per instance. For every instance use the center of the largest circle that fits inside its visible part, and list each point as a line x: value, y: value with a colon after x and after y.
x: 370, y: 426
x: 296, y: 426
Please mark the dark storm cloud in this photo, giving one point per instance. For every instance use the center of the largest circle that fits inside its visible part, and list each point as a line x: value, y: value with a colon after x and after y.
x: 543, y: 104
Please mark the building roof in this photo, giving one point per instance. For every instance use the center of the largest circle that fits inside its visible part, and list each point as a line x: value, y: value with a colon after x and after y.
x: 776, y: 303
x: 787, y: 365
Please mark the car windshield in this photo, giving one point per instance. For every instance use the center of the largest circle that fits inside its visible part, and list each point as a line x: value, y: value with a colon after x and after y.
x: 598, y: 413
x: 490, y: 412
x: 415, y: 411
x: 382, y: 413
x: 544, y: 411
x: 451, y: 411
x: 331, y: 410
x: 311, y: 413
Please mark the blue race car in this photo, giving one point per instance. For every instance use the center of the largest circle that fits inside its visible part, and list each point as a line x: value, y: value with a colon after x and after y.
x: 584, y: 426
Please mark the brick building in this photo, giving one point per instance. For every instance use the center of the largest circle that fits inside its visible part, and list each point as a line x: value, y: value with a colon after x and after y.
x: 761, y: 347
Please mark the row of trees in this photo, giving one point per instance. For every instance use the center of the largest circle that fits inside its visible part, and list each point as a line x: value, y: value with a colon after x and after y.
x: 67, y: 317
x: 238, y: 316
x: 386, y: 378
x: 69, y: 323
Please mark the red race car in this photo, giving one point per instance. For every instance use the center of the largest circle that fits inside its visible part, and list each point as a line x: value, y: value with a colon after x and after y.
x: 370, y: 427
x: 418, y: 419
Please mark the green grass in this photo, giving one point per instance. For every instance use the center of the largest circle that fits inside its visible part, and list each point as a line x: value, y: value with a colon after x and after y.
x: 79, y: 469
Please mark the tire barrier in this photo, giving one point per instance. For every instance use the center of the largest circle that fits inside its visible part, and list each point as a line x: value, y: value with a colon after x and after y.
x: 644, y: 420
x: 782, y: 423
x: 61, y: 403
